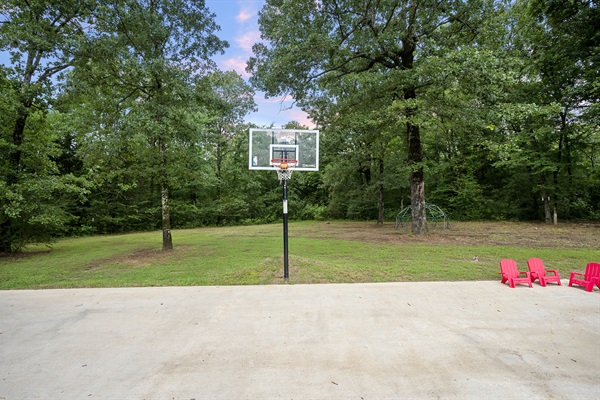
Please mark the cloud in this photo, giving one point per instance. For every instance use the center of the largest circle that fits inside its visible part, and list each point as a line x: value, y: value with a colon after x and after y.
x: 278, y: 110
x: 237, y: 64
x: 278, y: 120
x: 299, y: 116
x: 246, y: 40
x: 244, y: 15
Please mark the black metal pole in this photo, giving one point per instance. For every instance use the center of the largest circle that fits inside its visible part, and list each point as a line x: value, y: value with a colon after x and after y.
x: 286, y: 272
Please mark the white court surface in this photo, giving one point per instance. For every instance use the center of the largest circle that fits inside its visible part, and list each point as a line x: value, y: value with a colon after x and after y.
x: 462, y: 340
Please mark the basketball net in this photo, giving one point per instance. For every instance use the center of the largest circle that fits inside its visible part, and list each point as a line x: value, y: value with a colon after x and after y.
x: 284, y: 167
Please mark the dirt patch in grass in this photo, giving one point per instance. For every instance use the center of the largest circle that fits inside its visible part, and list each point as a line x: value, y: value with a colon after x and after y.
x: 139, y: 258
x: 538, y: 235
x: 24, y: 254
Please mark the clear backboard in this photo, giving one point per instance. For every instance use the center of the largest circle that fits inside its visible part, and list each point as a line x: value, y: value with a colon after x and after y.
x: 294, y: 144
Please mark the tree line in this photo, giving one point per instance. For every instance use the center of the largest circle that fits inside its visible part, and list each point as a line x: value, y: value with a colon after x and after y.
x: 114, y: 117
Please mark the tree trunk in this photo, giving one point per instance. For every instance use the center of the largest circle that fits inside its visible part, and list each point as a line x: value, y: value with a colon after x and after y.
x: 167, y: 241
x: 417, y: 179
x: 415, y: 155
x: 417, y: 199
x: 219, y: 159
x: 546, y: 200
x: 561, y: 141
x: 380, y: 205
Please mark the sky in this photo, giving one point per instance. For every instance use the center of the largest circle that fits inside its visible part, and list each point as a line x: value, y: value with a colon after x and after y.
x: 238, y: 20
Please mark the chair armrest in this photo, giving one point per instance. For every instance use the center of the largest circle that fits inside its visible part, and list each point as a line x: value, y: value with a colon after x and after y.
x: 573, y: 274
x: 555, y: 272
x: 526, y: 273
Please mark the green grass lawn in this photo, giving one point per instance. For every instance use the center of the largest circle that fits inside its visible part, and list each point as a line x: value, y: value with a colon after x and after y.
x: 320, y: 252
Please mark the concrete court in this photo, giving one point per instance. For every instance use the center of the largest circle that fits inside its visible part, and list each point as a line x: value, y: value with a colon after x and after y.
x: 463, y: 340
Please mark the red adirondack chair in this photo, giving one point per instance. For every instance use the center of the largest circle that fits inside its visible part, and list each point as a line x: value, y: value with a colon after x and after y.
x: 510, y: 273
x: 589, y: 279
x: 538, y: 271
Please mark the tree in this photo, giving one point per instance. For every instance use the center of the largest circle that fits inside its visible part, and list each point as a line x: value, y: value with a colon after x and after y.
x: 44, y: 38
x: 227, y: 98
x: 153, y: 51
x: 565, y: 52
x: 312, y: 46
x: 546, y: 124
x: 115, y: 156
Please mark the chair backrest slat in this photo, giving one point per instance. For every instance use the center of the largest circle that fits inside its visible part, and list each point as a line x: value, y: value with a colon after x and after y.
x: 592, y: 270
x: 536, y: 265
x: 509, y: 267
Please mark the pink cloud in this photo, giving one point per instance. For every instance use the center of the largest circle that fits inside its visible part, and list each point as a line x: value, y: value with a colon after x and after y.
x: 244, y: 15
x: 300, y: 116
x: 237, y: 64
x: 279, y: 110
x: 247, y: 40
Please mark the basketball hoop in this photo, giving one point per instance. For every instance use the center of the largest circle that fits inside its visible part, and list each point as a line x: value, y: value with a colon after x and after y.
x: 284, y: 167
x: 285, y: 151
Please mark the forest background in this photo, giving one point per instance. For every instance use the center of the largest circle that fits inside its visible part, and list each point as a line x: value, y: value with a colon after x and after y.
x: 114, y: 117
